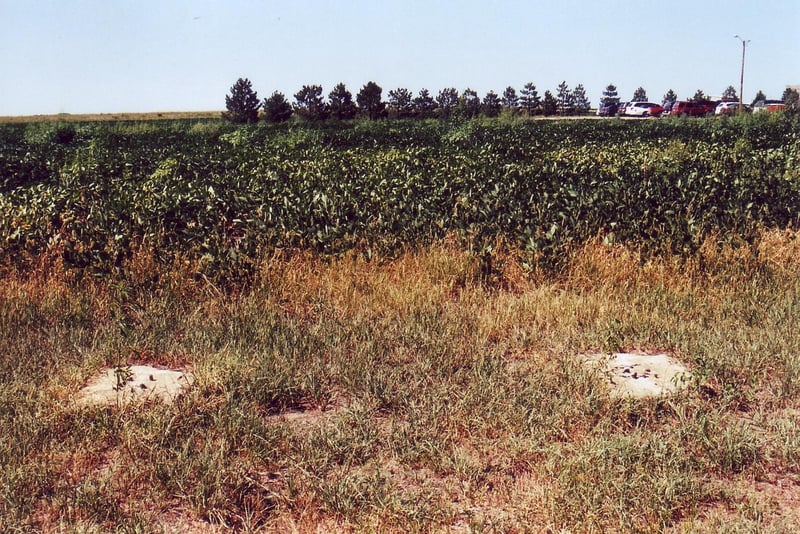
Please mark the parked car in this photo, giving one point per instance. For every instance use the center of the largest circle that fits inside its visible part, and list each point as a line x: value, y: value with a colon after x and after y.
x: 768, y: 105
x: 692, y: 109
x: 643, y: 109
x: 607, y: 110
x: 668, y: 107
x: 621, y: 108
x: 727, y: 107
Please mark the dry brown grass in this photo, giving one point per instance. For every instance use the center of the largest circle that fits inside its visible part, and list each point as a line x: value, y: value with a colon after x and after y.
x: 410, y: 394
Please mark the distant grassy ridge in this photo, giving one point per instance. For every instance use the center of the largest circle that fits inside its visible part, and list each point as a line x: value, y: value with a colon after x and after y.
x: 119, y: 116
x: 177, y: 115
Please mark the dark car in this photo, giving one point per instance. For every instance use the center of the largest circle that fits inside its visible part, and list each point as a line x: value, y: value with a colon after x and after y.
x: 608, y: 109
x: 621, y: 108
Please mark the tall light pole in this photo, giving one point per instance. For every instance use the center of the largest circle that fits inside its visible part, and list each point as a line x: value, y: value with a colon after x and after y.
x: 741, y: 78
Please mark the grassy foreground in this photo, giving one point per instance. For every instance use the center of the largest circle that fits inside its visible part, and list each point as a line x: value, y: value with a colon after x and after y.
x: 411, y: 394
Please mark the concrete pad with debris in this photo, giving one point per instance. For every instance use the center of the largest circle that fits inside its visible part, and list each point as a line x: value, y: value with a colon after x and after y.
x: 641, y: 375
x: 122, y: 385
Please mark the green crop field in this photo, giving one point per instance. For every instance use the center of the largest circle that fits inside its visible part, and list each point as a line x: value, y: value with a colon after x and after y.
x: 385, y: 321
x: 202, y: 190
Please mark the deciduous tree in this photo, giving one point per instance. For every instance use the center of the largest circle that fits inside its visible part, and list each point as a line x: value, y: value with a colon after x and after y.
x: 243, y: 103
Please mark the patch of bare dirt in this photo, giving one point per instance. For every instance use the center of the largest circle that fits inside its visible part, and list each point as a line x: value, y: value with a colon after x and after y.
x: 771, y: 504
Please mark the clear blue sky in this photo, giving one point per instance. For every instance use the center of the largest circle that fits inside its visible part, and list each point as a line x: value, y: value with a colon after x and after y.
x: 93, y: 56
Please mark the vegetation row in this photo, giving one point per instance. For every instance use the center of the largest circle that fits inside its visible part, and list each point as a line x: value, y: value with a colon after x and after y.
x: 225, y: 195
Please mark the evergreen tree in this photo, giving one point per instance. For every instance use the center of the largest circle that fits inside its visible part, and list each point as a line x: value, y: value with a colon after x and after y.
x: 639, y: 95
x: 670, y: 97
x: 469, y: 104
x: 446, y: 102
x: 277, y: 108
x: 791, y: 98
x: 699, y: 96
x: 549, y: 104
x: 759, y: 97
x: 309, y: 103
x: 369, y: 100
x: 401, y: 103
x: 529, y: 99
x: 242, y: 104
x: 510, y: 99
x: 610, y: 95
x: 579, y: 99
x: 340, y: 103
x: 564, y: 99
x: 424, y: 105
x: 730, y: 94
x: 491, y: 105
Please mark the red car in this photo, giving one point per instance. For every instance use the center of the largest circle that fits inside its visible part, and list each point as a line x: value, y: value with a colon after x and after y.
x: 692, y: 109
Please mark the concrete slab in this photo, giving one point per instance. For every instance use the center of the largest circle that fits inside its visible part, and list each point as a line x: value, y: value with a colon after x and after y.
x: 641, y: 375
x: 121, y: 385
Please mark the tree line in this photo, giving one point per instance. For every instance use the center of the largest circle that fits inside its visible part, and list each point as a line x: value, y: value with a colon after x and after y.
x: 310, y: 104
